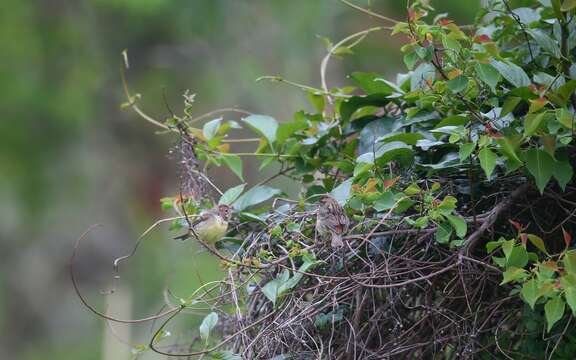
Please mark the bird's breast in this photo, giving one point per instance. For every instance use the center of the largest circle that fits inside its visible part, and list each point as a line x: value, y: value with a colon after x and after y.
x: 212, y: 230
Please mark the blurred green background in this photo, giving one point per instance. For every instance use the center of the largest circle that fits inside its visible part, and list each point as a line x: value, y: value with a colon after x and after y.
x: 71, y: 157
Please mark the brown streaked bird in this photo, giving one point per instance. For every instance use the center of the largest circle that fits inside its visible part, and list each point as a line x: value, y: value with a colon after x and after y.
x: 211, y: 225
x: 331, y: 220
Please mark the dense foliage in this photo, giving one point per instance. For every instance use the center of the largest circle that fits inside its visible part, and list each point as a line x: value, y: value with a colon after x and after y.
x: 457, y: 176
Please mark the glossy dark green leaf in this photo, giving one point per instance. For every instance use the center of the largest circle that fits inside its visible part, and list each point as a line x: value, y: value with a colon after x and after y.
x: 547, y: 42
x: 487, y: 161
x: 394, y: 150
x: 407, y: 138
x: 458, y: 84
x: 385, y: 202
x: 563, y: 172
x: 512, y: 72
x: 351, y: 105
x: 541, y: 165
x: 370, y: 83
x: 254, y: 196
x: 509, y: 105
x: 231, y: 194
x: 457, y: 120
x: 488, y: 74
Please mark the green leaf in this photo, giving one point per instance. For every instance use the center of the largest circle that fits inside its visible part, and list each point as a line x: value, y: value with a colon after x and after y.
x: 507, y: 247
x: 554, y: 310
x: 487, y: 161
x: 424, y: 53
x: 493, y: 245
x: 570, y: 294
x: 285, y: 130
x: 272, y: 289
x: 448, y: 205
x: 509, y: 105
x: 530, y: 292
x: 420, y: 75
x: 385, y: 153
x: 466, y: 150
x: 533, y: 122
x: 513, y: 274
x: 394, y: 150
x: 508, y: 149
x: 512, y: 72
x: 294, y: 280
x: 370, y: 84
x: 488, y: 74
x: 517, y: 257
x: 255, y: 196
x: 234, y: 162
x: 458, y: 224
x: 208, y: 324
x: 341, y: 193
x: 351, y: 105
x: 570, y: 261
x: 456, y: 120
x: 386, y: 201
x: 231, y: 194
x: 362, y: 168
x: 410, y: 60
x: 407, y: 138
x: 568, y: 5
x: 565, y: 91
x: 537, y: 242
x: 563, y: 173
x: 210, y: 129
x: 317, y: 100
x: 565, y: 117
x: 413, y: 189
x: 546, y: 42
x: 443, y: 233
x: 541, y: 165
x: 264, y: 125
x: 458, y: 84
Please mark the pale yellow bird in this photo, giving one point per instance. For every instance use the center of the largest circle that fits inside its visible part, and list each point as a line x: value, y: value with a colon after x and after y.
x: 211, y: 225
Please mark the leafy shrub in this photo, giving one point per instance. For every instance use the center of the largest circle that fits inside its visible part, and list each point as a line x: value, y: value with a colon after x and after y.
x: 457, y: 176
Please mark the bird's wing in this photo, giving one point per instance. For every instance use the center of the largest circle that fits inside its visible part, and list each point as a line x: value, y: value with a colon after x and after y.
x: 202, y: 217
